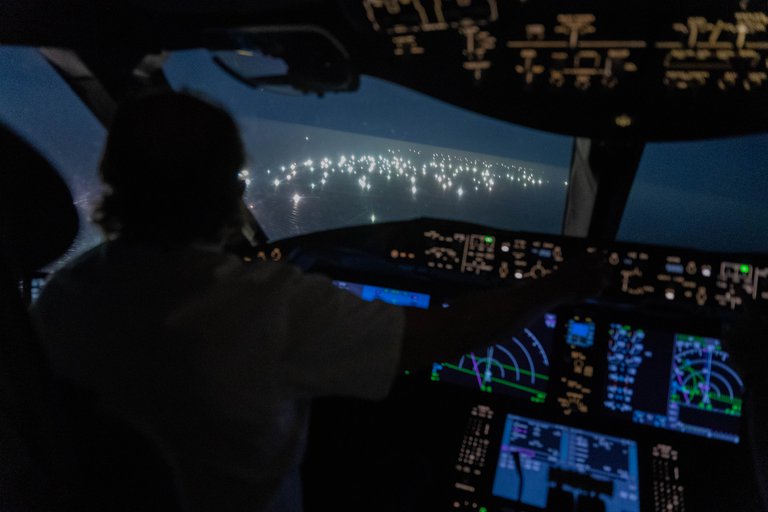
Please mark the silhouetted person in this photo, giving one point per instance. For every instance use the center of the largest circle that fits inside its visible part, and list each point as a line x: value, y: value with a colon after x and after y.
x: 213, y: 359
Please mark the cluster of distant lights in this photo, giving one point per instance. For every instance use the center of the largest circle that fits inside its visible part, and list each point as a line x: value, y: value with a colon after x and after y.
x: 416, y: 171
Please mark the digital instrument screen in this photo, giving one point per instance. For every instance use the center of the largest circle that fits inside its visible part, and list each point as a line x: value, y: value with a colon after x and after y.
x: 516, y: 366
x: 552, y: 466
x: 389, y: 295
x: 580, y: 333
x: 700, y: 393
x: 576, y: 381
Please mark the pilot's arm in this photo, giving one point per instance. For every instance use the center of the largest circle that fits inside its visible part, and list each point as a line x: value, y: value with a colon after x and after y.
x: 476, y: 319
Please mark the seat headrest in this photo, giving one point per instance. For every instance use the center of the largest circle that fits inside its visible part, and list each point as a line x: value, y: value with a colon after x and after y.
x: 38, y: 220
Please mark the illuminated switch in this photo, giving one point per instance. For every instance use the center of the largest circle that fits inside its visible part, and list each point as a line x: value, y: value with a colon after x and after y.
x: 701, y: 296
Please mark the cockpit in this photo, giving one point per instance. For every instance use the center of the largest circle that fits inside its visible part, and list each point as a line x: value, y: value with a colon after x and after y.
x: 415, y: 151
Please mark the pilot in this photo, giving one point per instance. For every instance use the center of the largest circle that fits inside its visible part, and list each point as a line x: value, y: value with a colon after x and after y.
x: 214, y: 359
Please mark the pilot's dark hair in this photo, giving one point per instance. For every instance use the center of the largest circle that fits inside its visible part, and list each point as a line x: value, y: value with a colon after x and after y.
x: 170, y: 168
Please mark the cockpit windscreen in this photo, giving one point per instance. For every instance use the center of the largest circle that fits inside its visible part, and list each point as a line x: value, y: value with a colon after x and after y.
x: 384, y: 153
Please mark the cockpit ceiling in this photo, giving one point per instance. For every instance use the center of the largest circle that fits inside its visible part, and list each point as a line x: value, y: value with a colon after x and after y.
x: 630, y: 69
x: 662, y: 70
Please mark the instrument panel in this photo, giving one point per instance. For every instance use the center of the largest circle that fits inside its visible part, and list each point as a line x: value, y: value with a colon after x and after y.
x: 649, y: 276
x: 616, y: 68
x: 583, y: 50
x: 623, y: 403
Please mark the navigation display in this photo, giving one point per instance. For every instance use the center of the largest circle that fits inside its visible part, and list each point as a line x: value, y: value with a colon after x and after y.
x: 551, y: 466
x: 702, y: 394
x: 516, y: 366
x: 389, y: 295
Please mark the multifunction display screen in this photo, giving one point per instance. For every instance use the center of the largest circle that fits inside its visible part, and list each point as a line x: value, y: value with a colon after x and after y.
x: 552, y: 466
x: 673, y: 381
x: 517, y: 365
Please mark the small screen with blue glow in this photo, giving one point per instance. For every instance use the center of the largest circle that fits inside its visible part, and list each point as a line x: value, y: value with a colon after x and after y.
x: 580, y: 333
x: 389, y: 295
x: 516, y: 366
x: 542, y: 464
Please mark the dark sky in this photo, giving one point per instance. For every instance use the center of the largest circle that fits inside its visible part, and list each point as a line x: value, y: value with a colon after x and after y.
x: 707, y: 194
x: 379, y: 108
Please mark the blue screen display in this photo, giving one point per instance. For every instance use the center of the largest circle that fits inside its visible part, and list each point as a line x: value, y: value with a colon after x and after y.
x: 389, y: 295
x: 580, y: 333
x: 541, y: 464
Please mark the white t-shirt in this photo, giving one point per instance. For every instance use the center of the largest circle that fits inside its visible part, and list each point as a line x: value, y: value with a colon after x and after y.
x: 215, y: 360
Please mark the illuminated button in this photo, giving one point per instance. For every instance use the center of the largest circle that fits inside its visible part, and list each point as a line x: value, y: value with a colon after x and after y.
x: 623, y: 121
x: 744, y: 268
x: 706, y: 271
x: 395, y: 253
x: 276, y: 254
x: 669, y: 294
x: 613, y: 259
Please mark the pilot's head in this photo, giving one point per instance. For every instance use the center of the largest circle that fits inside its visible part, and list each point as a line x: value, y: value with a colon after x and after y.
x: 171, y: 168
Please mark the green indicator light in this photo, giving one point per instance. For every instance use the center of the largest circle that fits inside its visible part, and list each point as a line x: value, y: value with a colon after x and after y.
x: 489, y: 239
x: 407, y: 372
x: 744, y: 268
x: 483, y: 509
